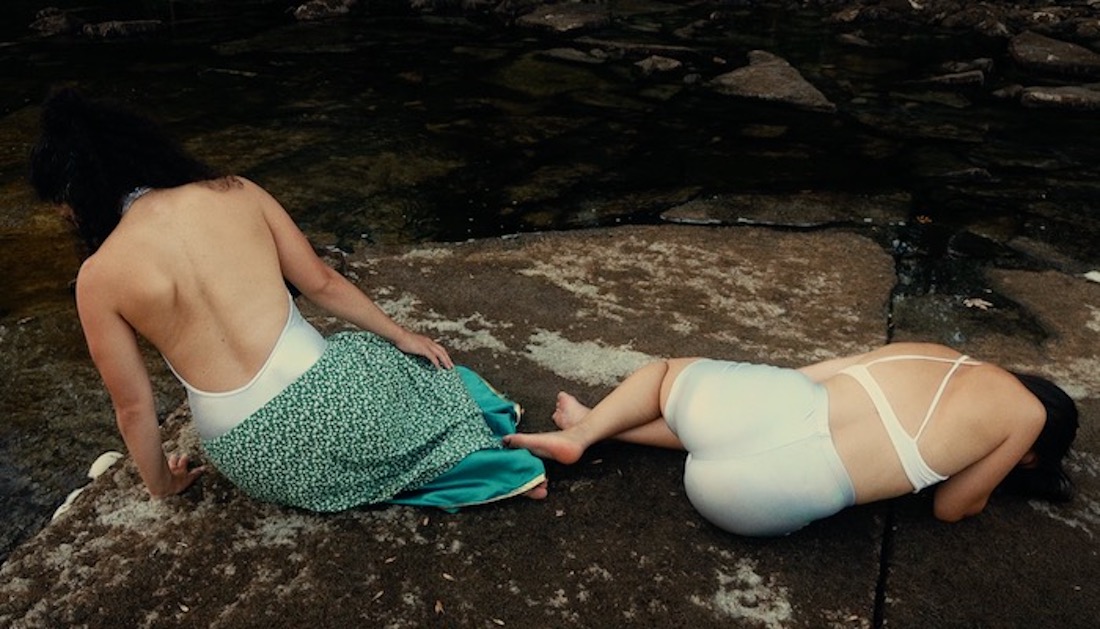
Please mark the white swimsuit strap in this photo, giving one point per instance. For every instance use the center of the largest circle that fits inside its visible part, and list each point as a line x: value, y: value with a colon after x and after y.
x: 939, y: 392
x: 963, y: 359
x: 918, y: 472
x: 955, y: 364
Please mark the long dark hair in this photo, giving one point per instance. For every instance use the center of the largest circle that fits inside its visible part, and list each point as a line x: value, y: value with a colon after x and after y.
x: 1047, y: 479
x: 92, y: 154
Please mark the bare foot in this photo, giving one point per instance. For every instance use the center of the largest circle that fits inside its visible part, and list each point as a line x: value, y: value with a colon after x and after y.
x: 568, y: 411
x: 538, y: 492
x: 559, y: 446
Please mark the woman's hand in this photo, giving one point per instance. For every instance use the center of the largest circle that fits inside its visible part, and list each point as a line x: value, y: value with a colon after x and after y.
x: 181, y: 477
x: 420, y: 345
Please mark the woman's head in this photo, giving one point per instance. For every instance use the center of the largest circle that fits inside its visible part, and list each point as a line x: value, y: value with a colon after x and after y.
x: 1046, y: 478
x: 91, y: 154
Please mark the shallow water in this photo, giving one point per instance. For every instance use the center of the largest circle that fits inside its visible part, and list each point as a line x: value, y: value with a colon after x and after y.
x: 400, y: 128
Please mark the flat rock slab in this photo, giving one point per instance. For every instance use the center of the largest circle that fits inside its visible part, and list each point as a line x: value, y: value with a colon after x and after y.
x: 1045, y: 54
x: 770, y: 78
x: 808, y: 209
x: 615, y: 543
x: 1021, y: 563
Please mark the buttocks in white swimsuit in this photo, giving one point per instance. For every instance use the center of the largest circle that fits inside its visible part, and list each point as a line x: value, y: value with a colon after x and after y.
x: 298, y: 347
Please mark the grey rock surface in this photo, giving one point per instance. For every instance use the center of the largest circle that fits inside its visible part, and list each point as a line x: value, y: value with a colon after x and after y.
x: 616, y: 543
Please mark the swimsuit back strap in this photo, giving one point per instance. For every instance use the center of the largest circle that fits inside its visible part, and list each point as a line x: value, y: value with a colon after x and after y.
x: 918, y: 472
x: 939, y: 392
x: 904, y: 445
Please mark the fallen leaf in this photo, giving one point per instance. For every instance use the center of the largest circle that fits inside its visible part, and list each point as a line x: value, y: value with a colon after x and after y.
x: 977, y: 302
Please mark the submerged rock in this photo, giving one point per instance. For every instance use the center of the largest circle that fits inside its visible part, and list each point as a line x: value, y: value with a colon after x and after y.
x: 566, y: 17
x: 323, y: 9
x: 1066, y: 97
x: 115, y: 29
x: 53, y: 21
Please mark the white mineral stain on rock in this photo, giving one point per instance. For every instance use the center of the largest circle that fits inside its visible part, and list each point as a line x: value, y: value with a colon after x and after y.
x: 402, y: 309
x: 468, y: 333
x: 1084, y: 512
x: 1078, y: 376
x: 585, y: 361
x: 745, y: 595
x: 428, y: 253
x: 1094, y: 318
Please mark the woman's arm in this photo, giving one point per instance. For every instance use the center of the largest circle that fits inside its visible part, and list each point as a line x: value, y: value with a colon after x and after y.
x: 115, y: 352
x: 325, y: 287
x: 966, y: 493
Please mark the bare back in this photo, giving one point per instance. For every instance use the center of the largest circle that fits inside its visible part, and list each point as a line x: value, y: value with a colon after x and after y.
x: 982, y: 408
x: 195, y: 270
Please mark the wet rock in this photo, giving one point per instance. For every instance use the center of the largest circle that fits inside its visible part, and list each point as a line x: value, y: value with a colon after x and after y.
x: 984, y: 65
x: 808, y: 209
x: 1038, y: 322
x: 636, y: 48
x: 969, y: 77
x: 117, y: 29
x: 53, y: 21
x: 323, y: 9
x: 1046, y: 55
x: 852, y: 39
x: 566, y: 17
x: 1085, y: 98
x: 533, y: 314
x: 770, y: 78
x: 572, y: 54
x: 657, y: 64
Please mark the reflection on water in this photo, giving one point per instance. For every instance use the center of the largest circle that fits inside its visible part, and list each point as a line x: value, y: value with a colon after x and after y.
x: 404, y: 128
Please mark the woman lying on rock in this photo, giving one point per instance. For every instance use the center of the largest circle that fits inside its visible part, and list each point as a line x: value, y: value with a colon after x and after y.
x: 771, y: 450
x: 197, y: 262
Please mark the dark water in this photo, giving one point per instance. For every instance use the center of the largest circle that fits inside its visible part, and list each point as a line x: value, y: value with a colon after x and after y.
x: 392, y: 126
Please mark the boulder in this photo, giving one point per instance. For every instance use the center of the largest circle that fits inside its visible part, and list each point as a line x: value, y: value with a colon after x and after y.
x: 1043, y: 54
x: 770, y: 78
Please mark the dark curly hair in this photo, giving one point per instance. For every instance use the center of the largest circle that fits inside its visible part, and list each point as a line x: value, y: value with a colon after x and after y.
x: 1047, y: 479
x: 92, y: 154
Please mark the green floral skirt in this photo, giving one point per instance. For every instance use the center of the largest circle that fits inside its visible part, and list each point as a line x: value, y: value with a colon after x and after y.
x: 367, y: 424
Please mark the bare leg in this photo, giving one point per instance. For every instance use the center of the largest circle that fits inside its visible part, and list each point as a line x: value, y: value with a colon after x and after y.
x: 633, y: 404
x: 656, y: 433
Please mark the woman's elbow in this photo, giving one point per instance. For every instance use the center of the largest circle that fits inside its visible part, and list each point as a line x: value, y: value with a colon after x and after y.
x: 954, y: 513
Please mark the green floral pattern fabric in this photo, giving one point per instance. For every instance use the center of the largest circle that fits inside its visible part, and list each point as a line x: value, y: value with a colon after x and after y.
x: 365, y: 423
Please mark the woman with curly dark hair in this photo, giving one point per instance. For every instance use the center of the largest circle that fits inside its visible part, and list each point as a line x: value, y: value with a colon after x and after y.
x: 772, y: 449
x: 197, y: 262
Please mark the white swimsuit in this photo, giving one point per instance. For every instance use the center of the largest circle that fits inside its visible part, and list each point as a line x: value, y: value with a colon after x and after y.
x: 761, y: 460
x: 296, y: 350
